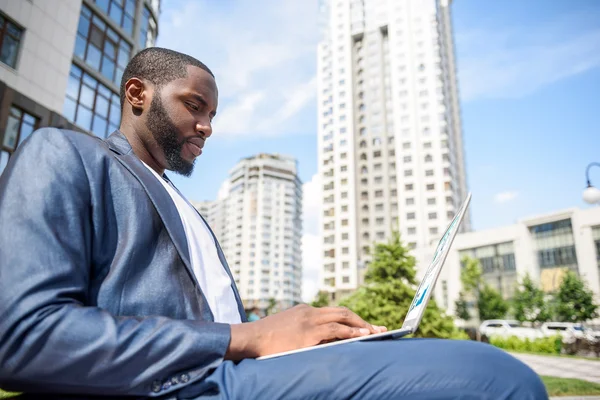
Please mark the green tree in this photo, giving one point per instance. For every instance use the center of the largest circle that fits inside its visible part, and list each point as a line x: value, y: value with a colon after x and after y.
x: 322, y: 299
x: 462, y: 310
x: 528, y: 302
x: 490, y: 304
x: 471, y: 276
x: 388, y: 291
x: 574, y: 301
x: 271, y: 306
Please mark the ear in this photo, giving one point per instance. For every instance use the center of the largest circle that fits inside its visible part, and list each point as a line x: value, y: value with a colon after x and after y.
x: 137, y: 93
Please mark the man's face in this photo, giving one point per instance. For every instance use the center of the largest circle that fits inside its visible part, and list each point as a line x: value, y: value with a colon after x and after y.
x: 180, y: 118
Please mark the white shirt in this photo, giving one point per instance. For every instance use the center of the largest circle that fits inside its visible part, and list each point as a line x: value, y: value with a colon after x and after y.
x: 210, y: 273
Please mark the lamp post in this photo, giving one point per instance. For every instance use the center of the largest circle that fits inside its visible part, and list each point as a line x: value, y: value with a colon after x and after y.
x: 591, y: 194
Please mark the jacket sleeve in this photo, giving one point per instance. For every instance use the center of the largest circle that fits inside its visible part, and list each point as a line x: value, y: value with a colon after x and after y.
x: 50, y: 339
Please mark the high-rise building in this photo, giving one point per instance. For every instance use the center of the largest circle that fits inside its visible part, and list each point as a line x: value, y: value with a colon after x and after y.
x: 389, y: 136
x: 61, y: 63
x: 258, y: 221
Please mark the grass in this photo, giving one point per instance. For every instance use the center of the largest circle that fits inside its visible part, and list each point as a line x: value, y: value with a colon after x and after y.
x: 7, y: 395
x: 570, y: 387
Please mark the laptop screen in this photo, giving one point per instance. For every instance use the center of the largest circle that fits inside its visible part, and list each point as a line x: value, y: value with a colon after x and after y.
x: 428, y: 281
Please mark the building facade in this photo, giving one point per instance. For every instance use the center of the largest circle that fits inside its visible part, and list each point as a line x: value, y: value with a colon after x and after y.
x: 61, y: 62
x: 544, y: 247
x: 389, y: 137
x: 258, y: 221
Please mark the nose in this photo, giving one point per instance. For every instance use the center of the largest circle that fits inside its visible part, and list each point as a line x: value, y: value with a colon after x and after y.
x: 204, y: 128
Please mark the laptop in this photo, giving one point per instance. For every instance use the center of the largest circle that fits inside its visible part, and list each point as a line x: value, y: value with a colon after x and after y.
x: 419, y: 302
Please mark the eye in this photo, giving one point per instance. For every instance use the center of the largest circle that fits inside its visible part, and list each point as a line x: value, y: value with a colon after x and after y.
x: 192, y: 106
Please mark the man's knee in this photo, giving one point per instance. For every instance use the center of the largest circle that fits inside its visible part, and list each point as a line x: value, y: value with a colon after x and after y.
x: 519, y: 379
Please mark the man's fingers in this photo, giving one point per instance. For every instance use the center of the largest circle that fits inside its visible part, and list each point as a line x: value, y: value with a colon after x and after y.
x: 336, y: 331
x: 344, y: 316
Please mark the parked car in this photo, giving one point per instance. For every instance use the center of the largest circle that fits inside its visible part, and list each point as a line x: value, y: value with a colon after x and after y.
x: 506, y: 328
x: 565, y: 329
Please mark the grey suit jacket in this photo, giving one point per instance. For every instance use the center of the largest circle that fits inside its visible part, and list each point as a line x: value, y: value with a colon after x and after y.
x: 97, y: 294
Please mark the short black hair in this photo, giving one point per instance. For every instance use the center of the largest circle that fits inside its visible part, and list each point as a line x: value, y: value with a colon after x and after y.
x: 159, y: 66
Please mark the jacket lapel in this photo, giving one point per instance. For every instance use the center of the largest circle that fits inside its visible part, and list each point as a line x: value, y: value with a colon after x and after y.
x: 160, y: 198
x: 167, y: 212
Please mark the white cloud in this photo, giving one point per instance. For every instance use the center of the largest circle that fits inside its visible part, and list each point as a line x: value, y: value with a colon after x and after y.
x: 311, y: 266
x: 515, y: 63
x: 505, y: 197
x: 311, y: 205
x: 263, y: 58
x: 311, y: 241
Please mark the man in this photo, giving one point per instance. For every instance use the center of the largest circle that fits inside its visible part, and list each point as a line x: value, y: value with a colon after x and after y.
x: 253, y: 314
x: 112, y: 284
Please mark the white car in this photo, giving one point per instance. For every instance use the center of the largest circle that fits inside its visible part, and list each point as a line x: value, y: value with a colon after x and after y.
x: 506, y: 328
x: 567, y: 330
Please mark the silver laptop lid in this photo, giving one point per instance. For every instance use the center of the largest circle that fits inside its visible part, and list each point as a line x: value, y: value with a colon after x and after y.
x: 419, y: 303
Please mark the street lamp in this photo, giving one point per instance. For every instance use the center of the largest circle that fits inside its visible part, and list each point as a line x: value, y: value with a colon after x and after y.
x: 591, y: 194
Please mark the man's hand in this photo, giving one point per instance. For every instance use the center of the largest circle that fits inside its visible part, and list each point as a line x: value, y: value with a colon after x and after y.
x: 298, y: 327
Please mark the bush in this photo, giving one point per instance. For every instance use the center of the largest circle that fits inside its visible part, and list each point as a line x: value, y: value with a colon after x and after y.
x: 548, y: 345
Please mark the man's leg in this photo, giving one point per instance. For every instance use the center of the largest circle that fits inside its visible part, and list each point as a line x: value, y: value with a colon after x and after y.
x: 406, y: 369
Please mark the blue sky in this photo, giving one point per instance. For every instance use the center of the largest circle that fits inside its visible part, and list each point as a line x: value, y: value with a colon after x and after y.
x: 529, y: 77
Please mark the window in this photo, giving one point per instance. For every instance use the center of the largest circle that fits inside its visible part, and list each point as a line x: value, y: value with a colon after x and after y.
x: 432, y: 215
x: 410, y: 201
x: 101, y: 47
x: 379, y: 207
x: 408, y: 172
x: 431, y: 201
x: 431, y: 186
x: 407, y: 159
x: 410, y: 215
x: 377, y: 167
x: 412, y: 231
x: 344, y: 236
x: 406, y: 145
x: 147, y: 29
x: 344, y: 168
x: 10, y: 39
x: 362, y: 144
x: 377, y: 154
x: 408, y: 187
x: 343, y: 155
x: 364, y: 181
x: 429, y: 172
x: 427, y: 145
x: 345, y: 279
x: 344, y: 195
x: 379, y: 193
x: 379, y: 221
x: 18, y: 127
x: 364, y: 170
x: 120, y: 11
x: 90, y: 104
x: 428, y: 158
x: 344, y: 222
x: 433, y: 231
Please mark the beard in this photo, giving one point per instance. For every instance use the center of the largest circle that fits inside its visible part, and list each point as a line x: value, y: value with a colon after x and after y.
x: 165, y: 133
